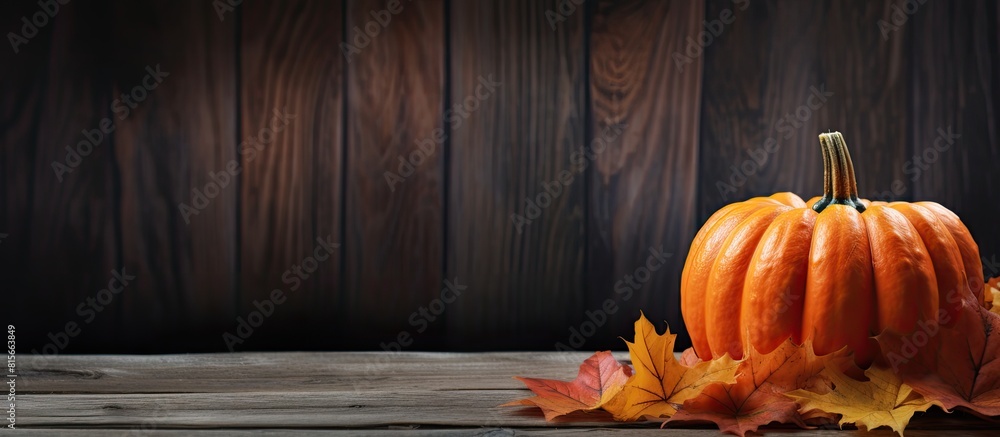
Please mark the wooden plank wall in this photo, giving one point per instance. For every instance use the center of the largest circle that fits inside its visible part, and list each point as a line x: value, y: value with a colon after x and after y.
x: 164, y: 149
x: 24, y: 91
x: 74, y: 233
x: 291, y: 150
x: 610, y: 117
x: 393, y: 244
x: 521, y: 82
x: 636, y: 220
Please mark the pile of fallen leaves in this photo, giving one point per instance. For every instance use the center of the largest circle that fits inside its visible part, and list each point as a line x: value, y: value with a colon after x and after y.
x: 955, y: 367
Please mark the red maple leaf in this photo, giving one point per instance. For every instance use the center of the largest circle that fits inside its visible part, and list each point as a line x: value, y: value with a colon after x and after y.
x: 959, y: 366
x: 601, y: 377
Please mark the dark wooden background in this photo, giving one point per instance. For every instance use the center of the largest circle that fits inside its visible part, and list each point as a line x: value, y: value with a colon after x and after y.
x: 602, y: 65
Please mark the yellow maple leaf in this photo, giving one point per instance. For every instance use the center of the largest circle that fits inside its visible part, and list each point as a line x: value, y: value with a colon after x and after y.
x: 660, y: 383
x: 883, y: 400
x: 992, y: 301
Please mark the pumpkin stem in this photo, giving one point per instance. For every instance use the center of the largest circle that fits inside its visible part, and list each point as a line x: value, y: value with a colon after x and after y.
x: 839, y: 185
x: 827, y: 179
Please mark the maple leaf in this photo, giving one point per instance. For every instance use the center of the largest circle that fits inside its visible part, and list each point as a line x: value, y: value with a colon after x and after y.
x: 883, y: 400
x: 600, y: 378
x: 756, y: 398
x: 968, y: 373
x: 661, y: 383
x: 992, y: 298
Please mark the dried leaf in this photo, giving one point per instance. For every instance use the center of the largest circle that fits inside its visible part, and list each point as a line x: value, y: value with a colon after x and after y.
x: 600, y: 378
x: 723, y: 405
x: 661, y: 383
x: 756, y: 398
x: 883, y: 400
x: 992, y: 295
x: 968, y: 372
x: 689, y: 357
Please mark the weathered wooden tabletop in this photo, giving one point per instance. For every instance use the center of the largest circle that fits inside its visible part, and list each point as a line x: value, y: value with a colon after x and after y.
x: 366, y: 393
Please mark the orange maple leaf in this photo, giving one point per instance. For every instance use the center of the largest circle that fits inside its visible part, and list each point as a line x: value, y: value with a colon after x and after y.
x: 600, y: 378
x: 883, y: 400
x: 968, y: 373
x: 756, y: 398
x: 661, y: 383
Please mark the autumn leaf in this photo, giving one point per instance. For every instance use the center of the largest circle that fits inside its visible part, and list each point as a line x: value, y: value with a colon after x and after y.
x: 883, y: 400
x: 600, y: 378
x: 756, y: 398
x: 689, y: 358
x: 992, y: 301
x: 661, y: 383
x: 968, y: 373
x: 818, y: 418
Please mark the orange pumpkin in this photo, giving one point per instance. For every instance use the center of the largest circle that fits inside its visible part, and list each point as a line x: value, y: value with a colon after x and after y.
x: 835, y: 270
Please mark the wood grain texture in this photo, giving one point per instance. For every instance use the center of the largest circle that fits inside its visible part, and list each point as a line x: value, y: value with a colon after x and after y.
x: 525, y: 279
x: 331, y: 409
x: 23, y: 89
x: 869, y: 73
x: 178, y: 139
x: 74, y: 241
x: 291, y: 149
x: 292, y: 371
x: 757, y: 75
x: 956, y: 85
x: 393, y: 244
x: 467, y: 431
x: 644, y: 186
x: 413, y: 392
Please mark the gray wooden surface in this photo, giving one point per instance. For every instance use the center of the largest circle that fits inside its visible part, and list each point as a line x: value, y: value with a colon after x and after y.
x: 365, y: 393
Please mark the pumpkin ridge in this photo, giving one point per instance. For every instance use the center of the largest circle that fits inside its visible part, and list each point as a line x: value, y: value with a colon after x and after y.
x: 967, y: 248
x: 726, y: 280
x: 838, y: 298
x: 694, y: 307
x: 774, y: 287
x: 691, y: 301
x: 953, y: 283
x: 905, y: 284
